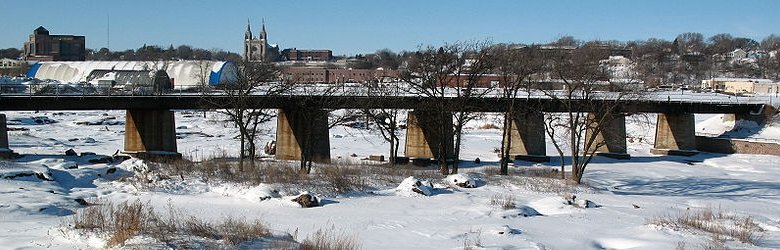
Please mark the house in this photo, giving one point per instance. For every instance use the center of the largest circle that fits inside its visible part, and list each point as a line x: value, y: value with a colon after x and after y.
x: 738, y: 54
x: 7, y: 63
x: 12, y: 67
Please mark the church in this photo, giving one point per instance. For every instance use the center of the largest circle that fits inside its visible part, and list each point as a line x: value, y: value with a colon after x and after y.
x: 257, y: 49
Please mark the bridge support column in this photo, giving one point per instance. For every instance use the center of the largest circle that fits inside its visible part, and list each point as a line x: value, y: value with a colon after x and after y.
x: 5, y: 151
x: 151, y: 134
x: 611, y: 139
x: 761, y: 117
x: 527, y: 137
x: 675, y: 134
x: 425, y: 132
x: 297, y: 130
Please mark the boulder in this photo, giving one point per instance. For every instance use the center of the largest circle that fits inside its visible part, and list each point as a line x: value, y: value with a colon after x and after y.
x: 581, y: 203
x: 100, y: 159
x: 70, y: 165
x: 71, y: 152
x: 585, y: 204
x: 307, y: 200
x: 506, y: 230
x: 461, y: 180
x: 82, y: 202
x: 411, y: 186
x: 111, y: 170
x: 120, y: 158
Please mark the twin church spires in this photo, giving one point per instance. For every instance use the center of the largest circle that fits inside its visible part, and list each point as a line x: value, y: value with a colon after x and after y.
x: 255, y: 49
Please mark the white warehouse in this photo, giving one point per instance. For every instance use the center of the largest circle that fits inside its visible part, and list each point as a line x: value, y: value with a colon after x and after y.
x: 183, y: 74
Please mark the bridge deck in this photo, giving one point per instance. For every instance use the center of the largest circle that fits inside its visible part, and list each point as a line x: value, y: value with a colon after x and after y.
x: 485, y: 104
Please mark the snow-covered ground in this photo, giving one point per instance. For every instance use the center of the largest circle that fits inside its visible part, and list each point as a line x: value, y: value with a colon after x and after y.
x: 625, y: 195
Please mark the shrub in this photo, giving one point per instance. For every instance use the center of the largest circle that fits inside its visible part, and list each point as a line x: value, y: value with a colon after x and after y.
x: 716, y: 222
x: 503, y: 201
x: 343, y: 179
x: 119, y: 223
x: 329, y: 240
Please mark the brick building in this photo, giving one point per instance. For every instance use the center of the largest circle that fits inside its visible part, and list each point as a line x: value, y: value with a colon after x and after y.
x: 41, y: 46
x: 307, y: 55
x: 323, y: 75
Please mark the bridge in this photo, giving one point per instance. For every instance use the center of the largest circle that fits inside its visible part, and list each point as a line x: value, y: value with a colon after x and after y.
x: 150, y: 124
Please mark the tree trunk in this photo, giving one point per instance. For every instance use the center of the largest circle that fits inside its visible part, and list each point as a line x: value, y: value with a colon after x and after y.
x: 456, y: 149
x: 506, y: 144
x: 241, y: 155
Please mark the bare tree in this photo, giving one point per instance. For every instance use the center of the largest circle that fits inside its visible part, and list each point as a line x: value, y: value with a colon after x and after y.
x: 248, y: 79
x: 770, y: 43
x: 515, y: 65
x: 386, y: 120
x: 471, y: 84
x: 311, y: 115
x: 769, y: 66
x: 429, y: 72
x: 689, y: 42
x: 653, y: 61
x: 584, y: 80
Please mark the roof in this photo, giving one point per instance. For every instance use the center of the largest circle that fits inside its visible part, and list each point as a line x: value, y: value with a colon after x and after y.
x: 733, y: 79
x: 185, y: 74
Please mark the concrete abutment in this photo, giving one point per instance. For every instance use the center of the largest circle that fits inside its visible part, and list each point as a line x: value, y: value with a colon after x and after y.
x: 298, y: 129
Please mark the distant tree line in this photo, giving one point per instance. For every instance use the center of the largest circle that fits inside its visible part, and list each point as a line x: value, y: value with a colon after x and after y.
x: 686, y: 60
x: 155, y: 53
x: 13, y: 53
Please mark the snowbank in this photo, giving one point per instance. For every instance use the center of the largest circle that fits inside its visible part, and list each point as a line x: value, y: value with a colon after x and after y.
x: 461, y: 180
x: 413, y: 187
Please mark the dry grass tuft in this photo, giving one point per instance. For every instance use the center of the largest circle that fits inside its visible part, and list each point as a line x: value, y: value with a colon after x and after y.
x: 543, y: 172
x: 343, y: 179
x: 119, y: 223
x: 505, y: 201
x: 719, y: 223
x: 490, y: 171
x: 329, y: 240
x: 326, y: 179
x: 488, y: 126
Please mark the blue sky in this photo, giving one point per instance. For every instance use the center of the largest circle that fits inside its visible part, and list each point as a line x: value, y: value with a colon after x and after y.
x: 361, y: 26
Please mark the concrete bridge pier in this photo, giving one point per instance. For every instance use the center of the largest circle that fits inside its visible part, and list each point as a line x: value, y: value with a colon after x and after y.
x: 611, y: 139
x: 151, y: 134
x: 527, y: 137
x: 761, y: 117
x: 425, y: 130
x: 5, y: 151
x: 298, y: 129
x: 675, y: 134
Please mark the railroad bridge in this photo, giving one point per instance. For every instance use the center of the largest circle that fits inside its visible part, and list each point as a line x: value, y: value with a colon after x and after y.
x: 150, y: 125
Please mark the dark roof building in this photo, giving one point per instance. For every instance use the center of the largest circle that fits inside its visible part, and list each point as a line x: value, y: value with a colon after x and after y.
x: 41, y: 46
x: 307, y: 55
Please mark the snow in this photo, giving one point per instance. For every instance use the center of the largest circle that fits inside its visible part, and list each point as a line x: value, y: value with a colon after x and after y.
x: 413, y: 187
x: 623, y: 195
x: 720, y: 125
x: 461, y: 180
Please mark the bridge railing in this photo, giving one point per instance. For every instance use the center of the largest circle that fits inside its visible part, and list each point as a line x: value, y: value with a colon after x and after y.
x: 356, y: 89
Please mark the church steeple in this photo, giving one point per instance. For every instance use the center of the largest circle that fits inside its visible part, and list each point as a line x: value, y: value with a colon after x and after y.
x: 263, y: 35
x: 255, y: 48
x: 248, y: 33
